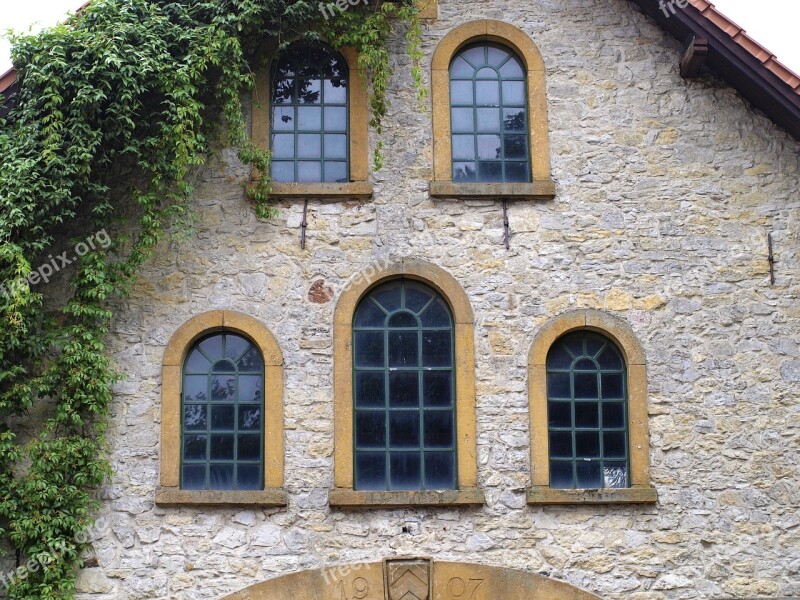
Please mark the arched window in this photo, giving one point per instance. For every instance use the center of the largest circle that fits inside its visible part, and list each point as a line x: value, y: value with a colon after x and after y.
x: 222, y: 428
x: 587, y: 413
x: 587, y: 387
x: 309, y: 120
x: 403, y: 390
x: 489, y: 115
x: 222, y: 414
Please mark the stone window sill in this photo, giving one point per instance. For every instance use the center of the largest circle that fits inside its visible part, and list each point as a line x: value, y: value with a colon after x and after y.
x: 634, y: 495
x: 355, y: 190
x: 346, y: 498
x: 537, y: 190
x: 270, y: 497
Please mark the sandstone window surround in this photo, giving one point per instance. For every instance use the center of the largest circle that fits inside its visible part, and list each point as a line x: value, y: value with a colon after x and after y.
x: 540, y: 186
x: 344, y: 494
x: 169, y: 493
x: 641, y: 491
x: 358, y: 186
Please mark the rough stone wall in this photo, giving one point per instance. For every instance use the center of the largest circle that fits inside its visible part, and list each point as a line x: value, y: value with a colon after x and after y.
x: 666, y: 190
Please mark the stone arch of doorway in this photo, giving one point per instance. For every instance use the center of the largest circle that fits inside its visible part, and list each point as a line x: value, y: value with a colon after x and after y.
x: 412, y: 579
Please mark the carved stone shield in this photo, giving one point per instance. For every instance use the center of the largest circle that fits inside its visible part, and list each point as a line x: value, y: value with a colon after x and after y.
x: 408, y: 579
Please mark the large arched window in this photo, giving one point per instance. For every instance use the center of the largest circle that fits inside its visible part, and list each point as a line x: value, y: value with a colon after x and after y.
x: 587, y: 413
x: 222, y: 429
x: 403, y: 390
x: 309, y: 120
x: 489, y: 115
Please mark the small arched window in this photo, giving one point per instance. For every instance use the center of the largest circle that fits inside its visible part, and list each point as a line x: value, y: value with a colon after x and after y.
x: 309, y: 123
x: 587, y: 413
x: 222, y: 415
x: 489, y: 115
x: 404, y: 392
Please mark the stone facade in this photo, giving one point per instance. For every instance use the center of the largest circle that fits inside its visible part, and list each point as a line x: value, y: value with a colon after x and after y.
x: 666, y: 190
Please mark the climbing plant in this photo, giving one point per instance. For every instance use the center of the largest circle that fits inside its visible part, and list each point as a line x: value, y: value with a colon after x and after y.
x: 111, y: 113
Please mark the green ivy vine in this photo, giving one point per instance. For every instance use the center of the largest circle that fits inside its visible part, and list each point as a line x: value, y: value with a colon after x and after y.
x: 112, y: 112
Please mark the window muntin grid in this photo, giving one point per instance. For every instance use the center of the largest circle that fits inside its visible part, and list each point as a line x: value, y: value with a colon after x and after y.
x: 489, y: 115
x: 404, y: 390
x: 222, y: 415
x: 309, y: 118
x: 587, y: 413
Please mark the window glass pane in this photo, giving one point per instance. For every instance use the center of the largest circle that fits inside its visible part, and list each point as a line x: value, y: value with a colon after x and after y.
x: 283, y: 92
x: 490, y: 171
x: 486, y: 73
x: 195, y: 417
x: 436, y: 349
x: 251, y: 361
x: 212, y: 347
x: 515, y: 146
x: 335, y: 119
x: 403, y: 348
x: 440, y: 471
x: 335, y: 146
x: 235, y: 346
x: 417, y: 297
x: 437, y: 388
x: 488, y: 119
x: 403, y: 389
x: 587, y: 414
x: 222, y: 418
x: 194, y: 447
x: 371, y: 429
x: 609, y: 359
x: 464, y: 171
x: 224, y: 366
x: 388, y: 296
x: 514, y: 119
x: 587, y: 444
x: 584, y: 364
x: 511, y: 69
x: 283, y: 145
x: 405, y: 471
x: 369, y: 349
x: 309, y: 171
x: 463, y: 147
x: 249, y: 418
x: 489, y: 147
x: 251, y: 388
x: 517, y: 171
x: 404, y: 429
x: 369, y: 315
x: 221, y: 477
x: 402, y: 320
x: 586, y: 385
x: 197, y: 363
x: 336, y: 171
x: 594, y: 343
x: 461, y: 69
x: 613, y: 414
x: 335, y: 91
x: 223, y: 388
x: 309, y: 118
x: 283, y: 118
x: 561, y: 475
x: 476, y: 55
x: 309, y: 145
x: 612, y: 386
x: 195, y: 388
x: 615, y: 475
x: 558, y: 385
x: 559, y: 358
x: 463, y: 119
x: 590, y: 475
x: 496, y: 55
x: 439, y: 430
x: 561, y: 444
x: 194, y: 477
x: 461, y: 93
x: 370, y: 390
x: 249, y: 447
x: 249, y: 477
x: 614, y: 445
x: 514, y: 93
x: 309, y: 91
x: 487, y: 93
x: 222, y: 447
x: 282, y: 171
x: 370, y: 471
x: 559, y: 414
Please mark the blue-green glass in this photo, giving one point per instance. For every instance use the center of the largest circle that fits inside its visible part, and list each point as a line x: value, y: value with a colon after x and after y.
x: 309, y: 116
x: 222, y: 428
x: 587, y: 413
x: 489, y: 115
x: 403, y: 386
